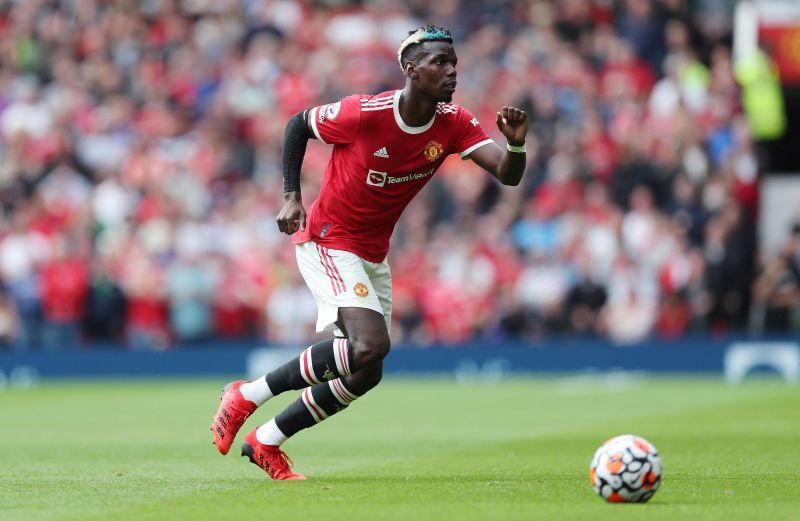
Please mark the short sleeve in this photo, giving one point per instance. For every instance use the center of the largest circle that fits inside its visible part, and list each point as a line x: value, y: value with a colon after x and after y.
x: 337, y: 123
x: 470, y: 134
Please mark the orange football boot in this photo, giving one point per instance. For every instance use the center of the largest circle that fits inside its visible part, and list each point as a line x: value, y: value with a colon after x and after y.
x: 270, y: 458
x: 232, y: 413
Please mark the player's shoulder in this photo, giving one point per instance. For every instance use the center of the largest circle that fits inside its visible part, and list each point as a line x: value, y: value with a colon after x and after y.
x: 453, y: 113
x: 376, y: 102
x: 448, y: 109
x: 383, y: 96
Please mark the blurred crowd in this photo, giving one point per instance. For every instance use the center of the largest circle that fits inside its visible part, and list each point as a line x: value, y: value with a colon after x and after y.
x: 140, y: 172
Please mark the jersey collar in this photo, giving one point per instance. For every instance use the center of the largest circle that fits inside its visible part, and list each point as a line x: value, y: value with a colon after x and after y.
x: 400, y: 123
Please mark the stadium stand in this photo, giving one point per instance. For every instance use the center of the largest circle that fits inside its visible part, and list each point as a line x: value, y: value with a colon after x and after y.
x: 140, y: 172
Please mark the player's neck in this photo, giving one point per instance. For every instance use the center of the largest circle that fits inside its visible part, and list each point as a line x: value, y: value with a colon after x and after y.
x: 415, y: 108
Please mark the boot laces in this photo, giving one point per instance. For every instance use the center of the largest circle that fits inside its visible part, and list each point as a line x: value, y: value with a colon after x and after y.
x: 285, y: 459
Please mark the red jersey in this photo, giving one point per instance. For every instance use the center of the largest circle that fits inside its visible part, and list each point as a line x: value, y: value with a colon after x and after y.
x: 377, y: 166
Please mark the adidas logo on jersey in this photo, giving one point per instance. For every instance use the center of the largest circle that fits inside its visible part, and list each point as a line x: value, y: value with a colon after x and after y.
x: 382, y: 152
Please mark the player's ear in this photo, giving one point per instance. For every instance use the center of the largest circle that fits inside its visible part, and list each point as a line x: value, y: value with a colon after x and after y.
x: 410, y: 69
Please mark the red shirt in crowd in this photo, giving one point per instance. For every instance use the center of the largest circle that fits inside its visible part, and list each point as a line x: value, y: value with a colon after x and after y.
x: 64, y: 286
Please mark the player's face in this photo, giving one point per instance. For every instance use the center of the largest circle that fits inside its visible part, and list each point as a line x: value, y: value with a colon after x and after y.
x: 437, y: 71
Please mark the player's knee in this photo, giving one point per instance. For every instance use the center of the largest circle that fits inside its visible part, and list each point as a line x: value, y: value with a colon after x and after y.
x: 369, y: 350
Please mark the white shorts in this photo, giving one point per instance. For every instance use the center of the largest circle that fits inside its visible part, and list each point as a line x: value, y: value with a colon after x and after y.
x: 340, y: 279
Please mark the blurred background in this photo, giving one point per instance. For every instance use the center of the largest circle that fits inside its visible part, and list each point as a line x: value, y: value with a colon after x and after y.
x: 140, y: 171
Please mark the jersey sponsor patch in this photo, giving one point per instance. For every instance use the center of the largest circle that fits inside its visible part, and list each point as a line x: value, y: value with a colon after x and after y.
x: 376, y: 178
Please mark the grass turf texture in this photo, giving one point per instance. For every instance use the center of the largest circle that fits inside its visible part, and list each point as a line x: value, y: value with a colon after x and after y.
x: 411, y: 450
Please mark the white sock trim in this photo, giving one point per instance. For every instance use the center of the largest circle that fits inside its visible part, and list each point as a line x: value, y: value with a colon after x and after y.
x: 313, y: 407
x: 270, y: 434
x: 256, y: 391
x: 340, y: 355
x: 307, y: 368
x: 340, y: 392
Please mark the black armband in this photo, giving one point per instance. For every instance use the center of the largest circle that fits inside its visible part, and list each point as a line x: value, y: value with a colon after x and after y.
x: 294, y: 148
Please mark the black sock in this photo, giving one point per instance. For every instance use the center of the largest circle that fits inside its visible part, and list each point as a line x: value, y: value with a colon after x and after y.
x: 323, y: 361
x: 314, y: 405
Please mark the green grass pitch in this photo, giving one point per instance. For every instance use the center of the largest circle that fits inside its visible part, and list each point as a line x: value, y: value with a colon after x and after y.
x: 422, y: 449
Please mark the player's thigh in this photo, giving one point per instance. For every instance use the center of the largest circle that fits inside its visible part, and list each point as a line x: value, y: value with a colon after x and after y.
x: 381, y: 278
x: 362, y: 322
x: 337, y: 279
x: 365, y: 329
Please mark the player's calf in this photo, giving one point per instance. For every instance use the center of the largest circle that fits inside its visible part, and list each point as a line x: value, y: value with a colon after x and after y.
x: 314, y: 405
x: 323, y: 361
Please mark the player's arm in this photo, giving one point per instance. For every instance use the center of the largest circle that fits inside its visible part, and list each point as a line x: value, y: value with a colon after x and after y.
x: 292, y: 214
x: 506, y: 165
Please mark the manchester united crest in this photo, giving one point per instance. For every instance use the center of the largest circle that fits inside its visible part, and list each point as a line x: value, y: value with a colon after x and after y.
x: 433, y: 150
x: 360, y: 289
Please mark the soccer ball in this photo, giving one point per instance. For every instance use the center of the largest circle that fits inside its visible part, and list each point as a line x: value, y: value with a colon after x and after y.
x: 626, y: 469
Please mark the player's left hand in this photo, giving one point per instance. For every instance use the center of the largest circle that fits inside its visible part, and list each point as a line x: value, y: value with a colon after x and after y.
x: 513, y: 123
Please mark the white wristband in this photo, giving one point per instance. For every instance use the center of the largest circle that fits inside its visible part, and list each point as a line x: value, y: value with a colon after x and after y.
x: 519, y: 150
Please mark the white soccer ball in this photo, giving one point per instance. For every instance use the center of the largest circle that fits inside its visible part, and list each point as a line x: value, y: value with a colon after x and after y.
x: 626, y: 469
